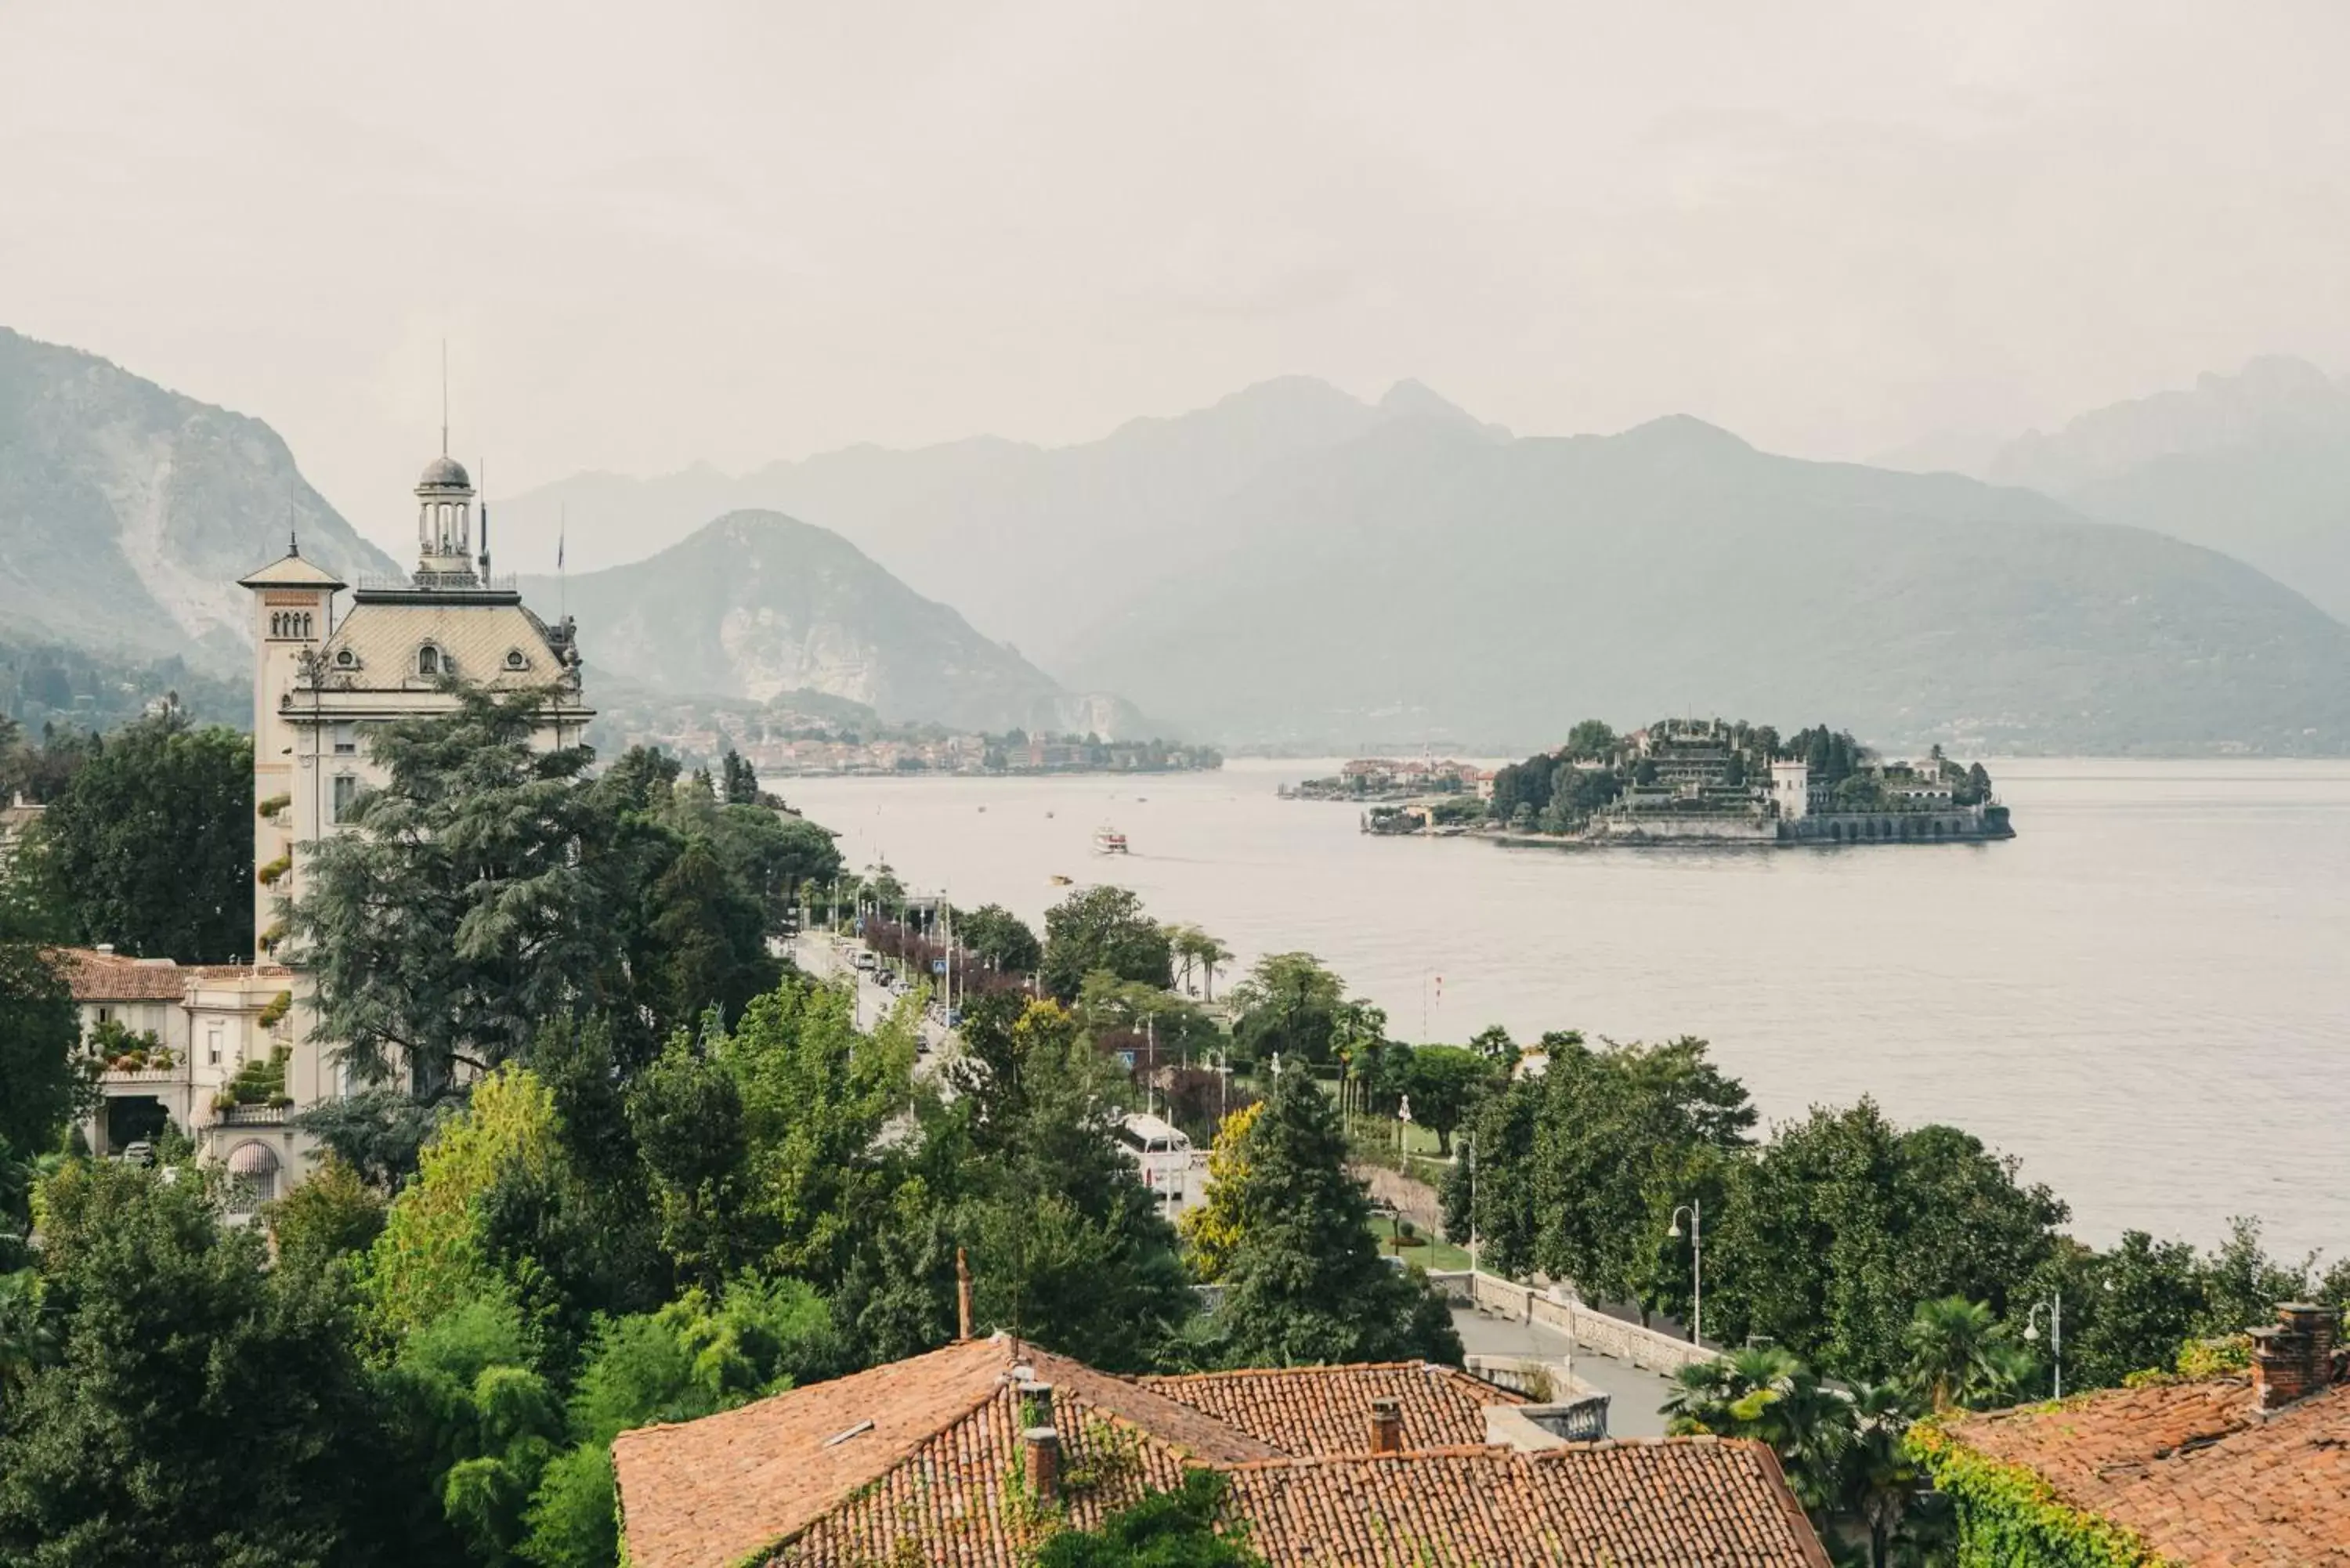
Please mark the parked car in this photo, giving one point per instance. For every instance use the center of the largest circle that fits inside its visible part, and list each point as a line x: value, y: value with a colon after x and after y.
x: 864, y: 959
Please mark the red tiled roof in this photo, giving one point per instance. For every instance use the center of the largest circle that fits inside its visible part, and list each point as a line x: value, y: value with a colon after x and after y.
x: 1309, y: 1410
x: 2192, y: 1468
x: 94, y: 976
x: 781, y: 1483
x: 1665, y: 1502
x: 714, y: 1490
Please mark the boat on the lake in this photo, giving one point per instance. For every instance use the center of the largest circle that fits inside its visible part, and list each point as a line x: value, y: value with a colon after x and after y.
x: 1108, y: 841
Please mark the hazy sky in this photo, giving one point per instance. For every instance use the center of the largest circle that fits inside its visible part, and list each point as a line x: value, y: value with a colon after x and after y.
x: 659, y: 233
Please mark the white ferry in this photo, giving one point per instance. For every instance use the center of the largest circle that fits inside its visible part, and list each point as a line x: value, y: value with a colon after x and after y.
x: 1108, y: 841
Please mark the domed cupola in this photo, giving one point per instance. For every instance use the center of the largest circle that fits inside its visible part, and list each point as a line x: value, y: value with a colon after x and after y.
x: 445, y: 521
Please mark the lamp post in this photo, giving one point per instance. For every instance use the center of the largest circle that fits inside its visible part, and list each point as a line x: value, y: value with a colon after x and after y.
x: 1695, y: 1210
x: 2055, y: 1307
x: 1469, y: 1153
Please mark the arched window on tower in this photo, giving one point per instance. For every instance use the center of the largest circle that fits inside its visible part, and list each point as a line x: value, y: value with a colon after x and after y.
x: 427, y: 661
x: 276, y: 623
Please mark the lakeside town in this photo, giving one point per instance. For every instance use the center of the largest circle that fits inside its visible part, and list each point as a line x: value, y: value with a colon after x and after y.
x: 1680, y: 782
x: 808, y: 735
x: 745, y: 1154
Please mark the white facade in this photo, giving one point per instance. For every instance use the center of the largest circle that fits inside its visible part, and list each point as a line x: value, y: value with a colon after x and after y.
x: 323, y: 680
x: 195, y: 1027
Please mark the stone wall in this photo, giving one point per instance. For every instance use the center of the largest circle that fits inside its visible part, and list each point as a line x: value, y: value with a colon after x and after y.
x: 1585, y: 1326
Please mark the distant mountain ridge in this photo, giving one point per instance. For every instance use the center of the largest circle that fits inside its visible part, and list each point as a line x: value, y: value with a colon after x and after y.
x: 756, y: 603
x: 127, y: 512
x: 2256, y: 464
x: 1031, y: 542
x: 1420, y: 581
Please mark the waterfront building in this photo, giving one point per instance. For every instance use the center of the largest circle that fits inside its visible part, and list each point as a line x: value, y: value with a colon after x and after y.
x: 322, y: 681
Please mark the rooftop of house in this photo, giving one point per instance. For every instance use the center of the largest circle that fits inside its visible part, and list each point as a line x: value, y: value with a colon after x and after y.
x: 2200, y: 1470
x: 1325, y: 1410
x: 926, y: 1458
x: 96, y: 974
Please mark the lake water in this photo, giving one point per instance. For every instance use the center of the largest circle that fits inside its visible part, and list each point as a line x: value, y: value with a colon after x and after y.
x: 2144, y: 995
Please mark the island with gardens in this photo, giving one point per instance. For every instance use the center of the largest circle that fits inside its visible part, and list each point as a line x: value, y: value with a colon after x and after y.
x: 1704, y: 782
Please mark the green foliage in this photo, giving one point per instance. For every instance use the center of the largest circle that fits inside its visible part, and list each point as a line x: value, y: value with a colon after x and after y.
x: 45, y: 1079
x: 464, y: 903
x: 1162, y: 1530
x: 1213, y: 1229
x: 1305, y: 1282
x: 1829, y: 1238
x: 1068, y: 1245
x: 1444, y: 1084
x: 201, y: 1408
x: 2008, y: 1515
x: 150, y: 847
x: 430, y: 1259
x: 331, y: 1216
x: 1288, y: 1004
x: 1960, y: 1356
x: 1000, y: 939
x: 1103, y: 928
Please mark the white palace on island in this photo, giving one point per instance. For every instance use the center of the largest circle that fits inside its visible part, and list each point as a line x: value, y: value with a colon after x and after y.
x: 228, y: 1051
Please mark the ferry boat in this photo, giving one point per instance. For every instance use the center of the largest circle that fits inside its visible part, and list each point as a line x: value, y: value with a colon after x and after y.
x: 1108, y: 841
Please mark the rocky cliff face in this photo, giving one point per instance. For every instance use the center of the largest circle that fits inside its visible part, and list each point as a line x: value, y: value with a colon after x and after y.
x: 756, y: 603
x: 129, y: 512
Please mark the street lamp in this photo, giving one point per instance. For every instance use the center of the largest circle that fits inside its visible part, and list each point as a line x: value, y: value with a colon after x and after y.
x: 1469, y: 1153
x: 2055, y: 1307
x: 1695, y: 1210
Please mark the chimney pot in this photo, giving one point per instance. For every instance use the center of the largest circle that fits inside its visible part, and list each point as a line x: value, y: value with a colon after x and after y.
x: 2294, y: 1358
x: 1043, y: 1446
x: 1387, y: 1427
x: 105, y: 949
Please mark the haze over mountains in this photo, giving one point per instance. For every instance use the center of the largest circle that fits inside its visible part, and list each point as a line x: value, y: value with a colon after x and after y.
x: 1295, y: 565
x: 756, y: 603
x: 127, y: 513
x: 1031, y: 544
x: 2256, y: 464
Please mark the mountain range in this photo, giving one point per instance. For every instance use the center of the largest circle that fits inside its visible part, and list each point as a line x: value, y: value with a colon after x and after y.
x: 2256, y: 464
x: 1032, y: 543
x: 1294, y: 566
x: 127, y: 513
x: 758, y: 604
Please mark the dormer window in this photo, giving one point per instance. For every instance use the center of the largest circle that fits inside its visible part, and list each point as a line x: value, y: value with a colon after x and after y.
x: 514, y: 659
x: 345, y: 659
x: 429, y: 660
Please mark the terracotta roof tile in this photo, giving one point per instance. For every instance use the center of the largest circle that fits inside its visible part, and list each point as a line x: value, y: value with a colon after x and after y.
x: 2192, y: 1468
x: 1665, y: 1503
x: 937, y: 1476
x: 1306, y: 1410
x: 93, y: 976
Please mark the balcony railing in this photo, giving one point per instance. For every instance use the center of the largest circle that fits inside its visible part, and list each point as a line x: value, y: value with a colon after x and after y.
x: 136, y: 1076
x: 254, y: 1116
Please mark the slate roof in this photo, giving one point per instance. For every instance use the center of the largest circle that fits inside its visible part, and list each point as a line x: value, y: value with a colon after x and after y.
x: 473, y: 635
x: 919, y: 1461
x: 292, y: 572
x: 2192, y: 1468
x: 1308, y: 1410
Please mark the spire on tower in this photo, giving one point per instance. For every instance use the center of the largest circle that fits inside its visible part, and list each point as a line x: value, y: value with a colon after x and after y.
x: 444, y: 397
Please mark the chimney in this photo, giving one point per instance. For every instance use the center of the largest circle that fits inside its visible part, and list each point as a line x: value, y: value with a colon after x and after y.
x: 1387, y: 1427
x: 962, y: 1294
x: 1043, y: 1446
x: 2294, y: 1358
x: 105, y: 949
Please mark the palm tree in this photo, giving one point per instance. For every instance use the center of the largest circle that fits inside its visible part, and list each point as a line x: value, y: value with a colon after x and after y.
x: 1766, y: 1393
x: 1959, y: 1354
x: 1209, y: 952
x: 1879, y: 1479
x: 1181, y: 940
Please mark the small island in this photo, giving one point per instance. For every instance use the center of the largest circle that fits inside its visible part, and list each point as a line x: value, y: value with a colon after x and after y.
x: 1710, y: 781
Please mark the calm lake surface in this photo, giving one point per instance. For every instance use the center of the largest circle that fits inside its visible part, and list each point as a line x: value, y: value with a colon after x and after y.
x: 2145, y: 995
